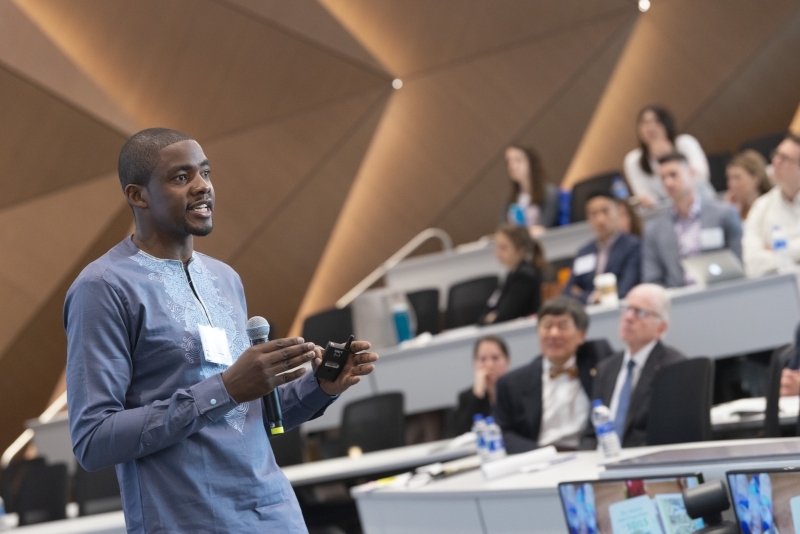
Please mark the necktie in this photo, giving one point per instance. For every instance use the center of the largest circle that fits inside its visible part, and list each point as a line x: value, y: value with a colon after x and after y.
x: 571, y: 372
x: 624, y: 402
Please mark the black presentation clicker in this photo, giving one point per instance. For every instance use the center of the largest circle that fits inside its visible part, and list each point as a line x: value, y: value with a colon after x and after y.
x: 333, y: 360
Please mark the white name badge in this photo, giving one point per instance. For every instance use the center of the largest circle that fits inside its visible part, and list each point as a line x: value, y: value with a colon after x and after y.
x: 215, y: 345
x: 584, y: 264
x: 712, y: 238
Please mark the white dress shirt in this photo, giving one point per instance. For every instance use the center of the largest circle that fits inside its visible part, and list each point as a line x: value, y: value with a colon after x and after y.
x: 565, y: 407
x: 640, y: 358
x: 769, y: 210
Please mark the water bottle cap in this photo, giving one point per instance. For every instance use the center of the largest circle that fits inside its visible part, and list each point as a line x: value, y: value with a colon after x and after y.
x: 489, y: 420
x: 477, y: 417
x: 596, y: 403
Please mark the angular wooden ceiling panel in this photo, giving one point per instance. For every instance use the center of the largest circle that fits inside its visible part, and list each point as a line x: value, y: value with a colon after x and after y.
x: 24, y: 49
x: 257, y: 170
x: 312, y: 21
x: 47, y: 144
x: 201, y: 45
x: 43, y: 238
x: 418, y: 35
x: 437, y: 131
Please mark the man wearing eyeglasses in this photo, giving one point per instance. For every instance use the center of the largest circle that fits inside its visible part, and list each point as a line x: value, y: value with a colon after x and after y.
x: 624, y: 380
x: 780, y: 207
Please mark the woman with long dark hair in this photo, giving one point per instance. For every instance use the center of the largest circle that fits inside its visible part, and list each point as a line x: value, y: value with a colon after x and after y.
x: 519, y: 295
x: 533, y: 201
x: 655, y: 129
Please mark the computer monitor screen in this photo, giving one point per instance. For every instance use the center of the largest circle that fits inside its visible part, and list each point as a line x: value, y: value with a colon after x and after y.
x: 766, y: 501
x: 629, y: 506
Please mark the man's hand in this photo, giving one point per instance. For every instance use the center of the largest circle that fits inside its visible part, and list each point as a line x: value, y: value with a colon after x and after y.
x: 359, y: 363
x: 255, y: 373
x: 790, y: 383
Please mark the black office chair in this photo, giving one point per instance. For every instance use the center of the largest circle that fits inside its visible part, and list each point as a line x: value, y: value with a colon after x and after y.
x: 96, y: 492
x: 466, y: 301
x: 426, y: 307
x: 680, y: 403
x: 288, y: 448
x: 330, y: 325
x: 582, y: 190
x: 765, y: 144
x: 374, y: 423
x: 11, y: 481
x: 778, y: 360
x: 717, y: 163
x: 43, y: 494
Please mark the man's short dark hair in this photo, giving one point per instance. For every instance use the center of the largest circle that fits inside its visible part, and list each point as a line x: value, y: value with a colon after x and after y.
x: 673, y: 156
x: 491, y: 339
x: 600, y: 194
x: 139, y: 154
x: 565, y: 305
x: 793, y: 137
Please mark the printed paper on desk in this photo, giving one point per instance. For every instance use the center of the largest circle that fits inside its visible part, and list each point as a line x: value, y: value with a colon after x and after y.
x: 215, y: 345
x: 794, y: 505
x: 634, y: 516
x: 584, y: 264
x: 712, y: 238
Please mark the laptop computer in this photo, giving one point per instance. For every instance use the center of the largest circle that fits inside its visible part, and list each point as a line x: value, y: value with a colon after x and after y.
x: 712, y: 267
x: 766, y: 500
x: 629, y: 505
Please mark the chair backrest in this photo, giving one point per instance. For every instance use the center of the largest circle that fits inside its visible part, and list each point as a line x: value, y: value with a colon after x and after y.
x: 11, y: 481
x: 772, y: 390
x: 330, y: 325
x: 374, y: 423
x: 43, y: 495
x: 717, y: 163
x: 288, y: 448
x: 426, y: 308
x: 96, y: 492
x: 466, y: 300
x: 582, y: 190
x: 680, y: 403
x: 600, y: 348
x: 765, y: 144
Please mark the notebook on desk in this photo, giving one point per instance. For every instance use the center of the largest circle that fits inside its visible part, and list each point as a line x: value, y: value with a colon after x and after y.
x: 652, y: 505
x: 766, y: 500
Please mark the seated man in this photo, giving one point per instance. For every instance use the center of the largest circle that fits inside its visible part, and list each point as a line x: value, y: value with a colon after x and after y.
x: 625, y: 379
x: 547, y: 401
x: 490, y: 361
x: 779, y: 207
x: 691, y: 226
x: 612, y: 252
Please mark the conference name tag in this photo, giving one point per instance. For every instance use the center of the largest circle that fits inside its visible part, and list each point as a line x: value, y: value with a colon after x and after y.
x: 712, y: 238
x: 584, y: 264
x: 215, y: 345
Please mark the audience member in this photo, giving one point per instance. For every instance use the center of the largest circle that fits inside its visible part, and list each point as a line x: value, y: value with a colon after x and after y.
x: 612, y: 251
x: 779, y: 208
x: 691, y: 226
x: 655, y: 129
x: 747, y: 180
x: 624, y: 380
x: 490, y: 360
x: 533, y: 201
x: 547, y: 401
x: 790, y: 377
x: 629, y: 220
x: 519, y: 294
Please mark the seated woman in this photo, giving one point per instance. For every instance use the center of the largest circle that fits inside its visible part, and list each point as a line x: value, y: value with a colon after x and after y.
x: 629, y: 221
x: 490, y: 360
x: 655, y: 129
x: 533, y: 202
x: 747, y: 180
x: 519, y: 294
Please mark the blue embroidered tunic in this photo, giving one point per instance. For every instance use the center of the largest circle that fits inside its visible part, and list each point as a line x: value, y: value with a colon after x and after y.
x: 142, y: 397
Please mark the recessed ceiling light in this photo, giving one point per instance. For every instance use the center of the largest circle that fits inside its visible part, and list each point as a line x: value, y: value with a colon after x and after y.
x: 644, y: 5
x: 397, y: 83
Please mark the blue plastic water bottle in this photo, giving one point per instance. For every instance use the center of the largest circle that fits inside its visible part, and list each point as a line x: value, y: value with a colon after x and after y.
x: 516, y: 215
x: 619, y: 189
x: 564, y: 206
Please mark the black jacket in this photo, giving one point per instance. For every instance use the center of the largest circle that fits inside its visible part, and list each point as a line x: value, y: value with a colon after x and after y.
x: 520, y: 295
x: 636, y: 423
x: 518, y: 410
x: 469, y: 405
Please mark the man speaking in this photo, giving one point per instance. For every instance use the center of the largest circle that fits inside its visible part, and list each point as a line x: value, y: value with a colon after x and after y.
x: 161, y: 379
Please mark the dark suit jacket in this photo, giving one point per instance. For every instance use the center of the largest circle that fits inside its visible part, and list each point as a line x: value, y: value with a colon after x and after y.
x: 520, y: 295
x: 624, y: 260
x: 636, y: 423
x: 468, y: 406
x: 518, y: 410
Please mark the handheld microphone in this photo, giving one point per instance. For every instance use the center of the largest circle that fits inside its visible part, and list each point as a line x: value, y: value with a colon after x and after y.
x: 258, y: 332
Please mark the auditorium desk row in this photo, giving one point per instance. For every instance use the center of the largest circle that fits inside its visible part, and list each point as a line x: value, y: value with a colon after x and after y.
x: 727, y: 319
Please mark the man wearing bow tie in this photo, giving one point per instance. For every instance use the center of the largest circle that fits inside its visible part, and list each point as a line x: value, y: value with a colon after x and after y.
x: 547, y: 401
